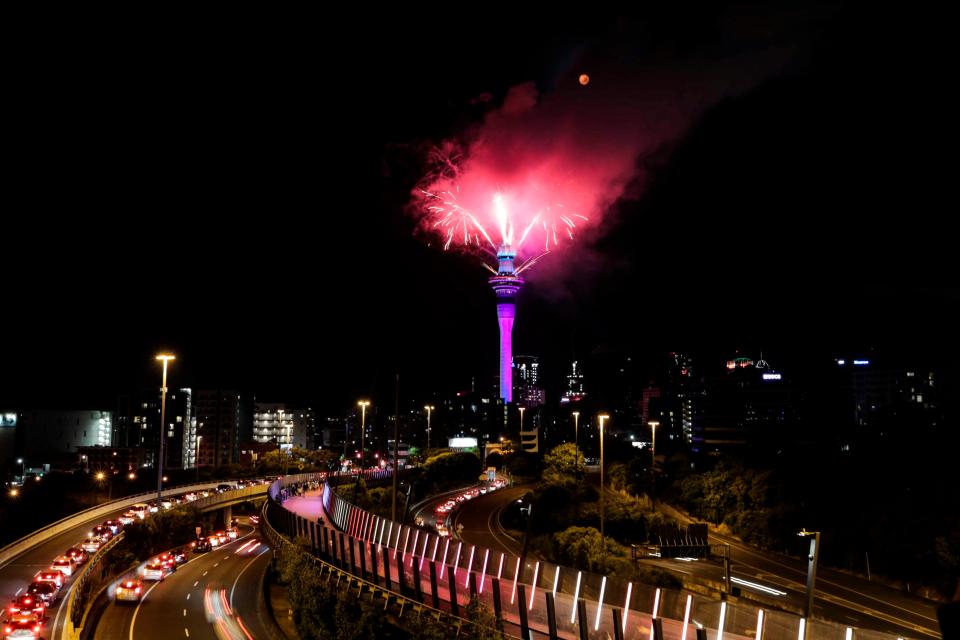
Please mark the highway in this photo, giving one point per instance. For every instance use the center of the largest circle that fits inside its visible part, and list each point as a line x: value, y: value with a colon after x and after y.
x: 176, y: 607
x: 16, y: 575
x: 840, y: 597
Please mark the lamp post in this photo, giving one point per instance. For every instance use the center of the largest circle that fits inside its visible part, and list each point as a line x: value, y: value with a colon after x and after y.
x: 363, y: 429
x: 429, y: 408
x: 603, y: 539
x: 653, y: 459
x: 811, y: 568
x: 165, y: 358
x: 23, y: 470
x: 576, y: 443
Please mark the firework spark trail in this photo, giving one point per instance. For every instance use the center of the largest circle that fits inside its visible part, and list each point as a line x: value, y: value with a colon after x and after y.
x: 461, y: 226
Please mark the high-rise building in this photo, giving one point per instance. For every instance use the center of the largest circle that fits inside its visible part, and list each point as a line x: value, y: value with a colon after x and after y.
x: 222, y: 416
x: 52, y: 434
x: 575, y: 390
x: 527, y: 391
x: 137, y: 424
x: 275, y: 422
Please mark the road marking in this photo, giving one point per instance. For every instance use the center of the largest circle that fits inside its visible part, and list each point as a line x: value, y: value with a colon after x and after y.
x: 186, y: 632
x: 188, y: 596
x: 133, y: 620
x: 205, y: 573
x: 184, y: 613
x: 237, y: 579
x: 820, y: 580
x: 18, y: 591
x: 195, y: 584
x: 216, y: 564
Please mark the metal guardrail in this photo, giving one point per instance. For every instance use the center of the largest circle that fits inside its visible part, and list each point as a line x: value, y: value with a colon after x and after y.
x: 75, y: 618
x: 43, y: 534
x: 395, y: 602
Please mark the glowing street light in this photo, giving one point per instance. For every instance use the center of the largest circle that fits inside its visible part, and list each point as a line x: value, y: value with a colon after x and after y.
x: 165, y: 358
x: 429, y: 408
x: 653, y: 459
x: 603, y: 540
x: 363, y: 429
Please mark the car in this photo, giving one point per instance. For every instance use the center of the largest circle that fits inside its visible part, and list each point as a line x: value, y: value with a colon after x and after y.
x: 46, y: 591
x: 254, y: 519
x: 90, y: 545
x: 232, y: 533
x: 63, y: 564
x: 140, y: 509
x: 26, y: 603
x: 55, y: 577
x: 23, y: 626
x: 102, y: 532
x: 222, y: 536
x: 128, y: 518
x: 168, y: 561
x: 234, y: 522
x: 214, y: 540
x: 78, y: 555
x: 167, y: 503
x: 189, y: 497
x: 225, y: 487
x: 201, y: 546
x: 179, y: 555
x: 113, y: 525
x: 129, y: 591
x: 154, y: 571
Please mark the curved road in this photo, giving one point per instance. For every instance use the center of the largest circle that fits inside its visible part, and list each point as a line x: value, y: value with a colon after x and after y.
x: 840, y: 597
x: 175, y: 608
x: 16, y: 575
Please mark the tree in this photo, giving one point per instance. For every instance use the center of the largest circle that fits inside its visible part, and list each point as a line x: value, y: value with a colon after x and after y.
x: 563, y: 460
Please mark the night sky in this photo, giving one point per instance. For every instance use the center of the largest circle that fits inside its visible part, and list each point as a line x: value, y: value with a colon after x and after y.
x: 235, y: 189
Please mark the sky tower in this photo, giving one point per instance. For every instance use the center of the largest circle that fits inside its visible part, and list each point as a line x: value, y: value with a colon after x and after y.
x: 506, y: 284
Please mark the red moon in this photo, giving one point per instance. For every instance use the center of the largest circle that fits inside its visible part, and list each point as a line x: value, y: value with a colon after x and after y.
x: 584, y: 78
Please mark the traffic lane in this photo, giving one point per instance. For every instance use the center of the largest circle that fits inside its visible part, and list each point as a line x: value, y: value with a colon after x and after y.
x: 481, y: 522
x: 177, y: 608
x: 17, y: 575
x: 825, y: 606
x: 169, y: 606
x: 247, y: 599
x: 838, y: 588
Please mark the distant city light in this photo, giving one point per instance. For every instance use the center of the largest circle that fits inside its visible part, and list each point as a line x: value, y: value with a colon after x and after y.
x: 772, y: 376
x: 861, y: 363
x: 841, y: 362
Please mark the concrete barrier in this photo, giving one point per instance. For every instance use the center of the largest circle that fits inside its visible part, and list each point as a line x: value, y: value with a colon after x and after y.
x: 40, y: 536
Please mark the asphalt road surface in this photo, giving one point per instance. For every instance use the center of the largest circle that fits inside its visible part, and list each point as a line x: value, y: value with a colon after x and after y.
x: 175, y: 607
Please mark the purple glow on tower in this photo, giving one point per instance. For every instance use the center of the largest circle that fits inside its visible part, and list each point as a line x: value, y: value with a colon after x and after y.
x: 506, y: 284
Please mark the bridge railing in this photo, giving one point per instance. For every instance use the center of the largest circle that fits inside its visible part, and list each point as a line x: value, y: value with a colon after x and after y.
x: 280, y: 528
x: 92, y: 578
x: 54, y: 529
x: 617, y: 606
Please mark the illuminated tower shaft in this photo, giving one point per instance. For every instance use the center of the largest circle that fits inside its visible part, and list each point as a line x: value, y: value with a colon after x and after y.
x: 506, y: 284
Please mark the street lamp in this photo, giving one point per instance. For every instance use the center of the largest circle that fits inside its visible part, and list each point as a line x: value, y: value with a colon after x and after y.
x: 165, y: 358
x: 811, y: 567
x: 23, y: 470
x: 429, y: 408
x: 576, y: 442
x: 363, y: 428
x: 603, y: 539
x: 653, y: 459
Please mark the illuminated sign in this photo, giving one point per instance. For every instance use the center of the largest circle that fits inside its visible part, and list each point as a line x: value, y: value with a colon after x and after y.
x: 462, y: 443
x: 841, y: 362
x: 772, y: 376
x: 861, y: 363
